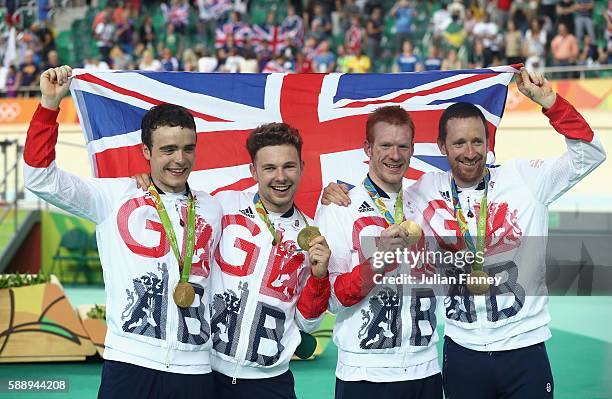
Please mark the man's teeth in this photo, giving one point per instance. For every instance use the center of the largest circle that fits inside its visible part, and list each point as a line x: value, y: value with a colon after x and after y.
x: 393, y: 166
x: 469, y: 163
x: 280, y: 188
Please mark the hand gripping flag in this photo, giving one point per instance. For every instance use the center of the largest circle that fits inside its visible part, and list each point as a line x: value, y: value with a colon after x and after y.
x: 329, y: 110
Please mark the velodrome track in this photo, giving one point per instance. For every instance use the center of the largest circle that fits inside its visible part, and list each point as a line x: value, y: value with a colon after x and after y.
x: 580, y: 349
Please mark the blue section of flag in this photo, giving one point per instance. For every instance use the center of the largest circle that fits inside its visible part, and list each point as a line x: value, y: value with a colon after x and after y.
x: 350, y: 186
x: 361, y: 86
x: 109, y: 117
x: 439, y: 162
x: 490, y: 98
x: 247, y: 89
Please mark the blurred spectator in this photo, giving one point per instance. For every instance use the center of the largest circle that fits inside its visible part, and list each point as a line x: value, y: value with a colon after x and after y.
x: 52, y: 61
x: 11, y: 82
x: 476, y: 58
x: 207, y: 63
x: 105, y: 35
x: 190, y: 61
x: 513, y: 43
x: 303, y: 64
x: 221, y: 58
x: 249, y: 63
x: 342, y: 59
x: 321, y: 22
x: 233, y: 61
x: 451, y: 62
x: 168, y: 61
x: 354, y: 37
x: 440, y: 20
x: 359, y: 63
x: 293, y: 26
x: 274, y: 65
x: 407, y: 61
x: 125, y: 31
x: 502, y: 12
x: 433, y: 62
x: 28, y: 71
x: 349, y: 10
x: 119, y: 59
x: 149, y: 63
x: 565, y: 14
x: 171, y: 40
x: 325, y: 60
x: 455, y: 34
x: 583, y: 19
x: 146, y: 32
x: 564, y: 48
x: 534, y: 46
x: 402, y: 11
x: 548, y: 10
x: 177, y: 14
x: 374, y: 31
x: 101, y: 16
x: 588, y: 54
x: 487, y: 31
x: 95, y: 64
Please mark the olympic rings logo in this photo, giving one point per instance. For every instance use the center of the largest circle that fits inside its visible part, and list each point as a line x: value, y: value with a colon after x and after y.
x: 9, y: 111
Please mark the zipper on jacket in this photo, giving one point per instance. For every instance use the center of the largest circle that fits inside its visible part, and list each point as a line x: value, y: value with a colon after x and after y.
x: 258, y: 277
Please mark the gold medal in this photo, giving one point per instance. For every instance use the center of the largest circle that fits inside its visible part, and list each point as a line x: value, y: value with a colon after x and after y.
x: 184, y: 294
x: 413, y: 229
x: 478, y: 288
x: 306, y: 235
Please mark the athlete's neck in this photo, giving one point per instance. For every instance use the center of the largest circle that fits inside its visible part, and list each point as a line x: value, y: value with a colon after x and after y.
x: 168, y: 189
x: 386, y: 187
x: 270, y: 207
x: 469, y: 183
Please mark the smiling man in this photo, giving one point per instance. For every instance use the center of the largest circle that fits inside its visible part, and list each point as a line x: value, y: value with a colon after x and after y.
x: 386, y: 334
x: 494, y: 338
x: 266, y: 287
x: 155, y: 249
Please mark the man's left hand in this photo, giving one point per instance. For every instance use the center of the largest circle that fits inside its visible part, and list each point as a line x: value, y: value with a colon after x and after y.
x: 535, y: 86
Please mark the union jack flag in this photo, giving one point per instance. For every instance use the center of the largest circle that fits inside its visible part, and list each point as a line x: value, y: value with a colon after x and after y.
x: 270, y: 35
x: 330, y: 111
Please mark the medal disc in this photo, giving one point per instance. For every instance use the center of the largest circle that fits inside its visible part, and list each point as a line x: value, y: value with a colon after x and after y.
x: 306, y: 235
x: 184, y: 294
x: 478, y: 288
x: 413, y: 229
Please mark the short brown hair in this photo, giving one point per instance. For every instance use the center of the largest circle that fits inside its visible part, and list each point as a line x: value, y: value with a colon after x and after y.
x: 391, y: 114
x: 274, y: 133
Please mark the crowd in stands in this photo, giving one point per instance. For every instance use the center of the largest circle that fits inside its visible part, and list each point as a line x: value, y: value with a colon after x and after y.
x: 356, y: 36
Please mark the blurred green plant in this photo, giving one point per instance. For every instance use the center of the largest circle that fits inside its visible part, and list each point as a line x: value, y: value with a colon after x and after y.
x: 22, y: 280
x: 97, y: 312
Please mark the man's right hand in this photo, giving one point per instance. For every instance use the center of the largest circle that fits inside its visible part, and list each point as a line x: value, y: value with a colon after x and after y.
x: 54, y: 85
x: 337, y: 194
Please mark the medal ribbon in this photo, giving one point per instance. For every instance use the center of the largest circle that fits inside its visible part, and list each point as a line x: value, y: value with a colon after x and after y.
x: 399, y: 203
x: 184, y: 264
x: 263, y: 215
x: 481, y: 227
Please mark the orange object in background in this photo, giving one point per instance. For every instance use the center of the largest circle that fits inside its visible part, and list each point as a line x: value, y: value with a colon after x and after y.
x: 20, y: 110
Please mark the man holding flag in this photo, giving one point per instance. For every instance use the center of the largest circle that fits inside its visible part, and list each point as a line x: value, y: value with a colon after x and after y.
x: 155, y: 249
x: 494, y: 334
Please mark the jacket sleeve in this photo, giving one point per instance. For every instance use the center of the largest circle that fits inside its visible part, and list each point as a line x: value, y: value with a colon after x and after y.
x: 350, y: 281
x: 85, y: 197
x: 312, y: 303
x: 548, y: 179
